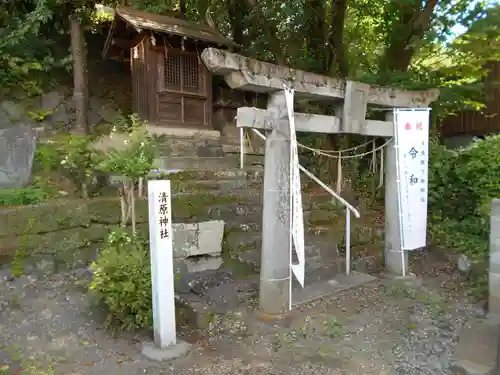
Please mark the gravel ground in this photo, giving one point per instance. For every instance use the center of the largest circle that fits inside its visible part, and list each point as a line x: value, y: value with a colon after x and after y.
x: 382, y: 328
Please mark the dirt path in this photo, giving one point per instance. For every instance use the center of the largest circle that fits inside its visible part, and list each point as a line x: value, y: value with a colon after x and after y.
x: 383, y: 328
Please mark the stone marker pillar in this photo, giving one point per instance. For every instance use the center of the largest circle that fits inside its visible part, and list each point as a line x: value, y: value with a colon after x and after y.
x: 494, y: 271
x: 392, y: 253
x: 275, y: 264
x: 17, y: 150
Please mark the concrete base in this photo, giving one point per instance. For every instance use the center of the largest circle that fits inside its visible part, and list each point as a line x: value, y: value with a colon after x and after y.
x: 476, y: 352
x: 150, y: 351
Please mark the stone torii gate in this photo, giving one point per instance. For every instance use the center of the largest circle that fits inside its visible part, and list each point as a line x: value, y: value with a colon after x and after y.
x: 352, y: 99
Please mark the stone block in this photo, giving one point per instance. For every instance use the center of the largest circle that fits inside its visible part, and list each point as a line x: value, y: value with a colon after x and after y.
x: 14, y: 112
x: 204, y: 238
x: 476, y: 352
x: 51, y: 100
x: 201, y: 264
x: 62, y: 115
x: 17, y: 149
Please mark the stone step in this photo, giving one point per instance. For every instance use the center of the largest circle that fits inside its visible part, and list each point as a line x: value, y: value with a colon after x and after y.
x: 186, y: 143
x: 234, y: 148
x: 478, y: 348
x: 166, y: 163
x: 223, y: 186
x: 253, y: 174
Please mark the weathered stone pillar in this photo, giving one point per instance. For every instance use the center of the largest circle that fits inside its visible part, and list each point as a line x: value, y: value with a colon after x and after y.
x: 392, y: 253
x: 494, y: 271
x: 275, y: 263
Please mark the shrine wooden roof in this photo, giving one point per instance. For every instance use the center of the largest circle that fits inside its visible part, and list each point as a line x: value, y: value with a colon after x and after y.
x: 169, y: 25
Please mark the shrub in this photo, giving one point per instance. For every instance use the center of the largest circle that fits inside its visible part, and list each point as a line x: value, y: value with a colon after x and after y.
x: 132, y: 158
x: 461, y: 186
x: 122, y: 281
x: 72, y: 156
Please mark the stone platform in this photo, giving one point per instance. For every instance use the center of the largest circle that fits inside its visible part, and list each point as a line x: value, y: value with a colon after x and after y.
x: 209, y: 298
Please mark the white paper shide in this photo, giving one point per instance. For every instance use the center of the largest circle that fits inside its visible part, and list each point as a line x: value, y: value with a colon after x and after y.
x: 297, y: 215
x: 412, y: 143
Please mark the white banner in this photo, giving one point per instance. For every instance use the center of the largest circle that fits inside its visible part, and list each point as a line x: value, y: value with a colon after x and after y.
x: 411, y: 128
x: 297, y: 216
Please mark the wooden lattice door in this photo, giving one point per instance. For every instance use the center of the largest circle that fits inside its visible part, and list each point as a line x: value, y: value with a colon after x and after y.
x: 183, y: 97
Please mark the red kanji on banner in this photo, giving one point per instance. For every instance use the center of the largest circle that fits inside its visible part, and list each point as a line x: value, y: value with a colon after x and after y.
x: 419, y: 125
x: 408, y: 126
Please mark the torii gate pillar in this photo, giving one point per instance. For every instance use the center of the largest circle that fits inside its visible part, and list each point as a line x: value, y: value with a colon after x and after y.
x: 392, y: 236
x: 274, y: 297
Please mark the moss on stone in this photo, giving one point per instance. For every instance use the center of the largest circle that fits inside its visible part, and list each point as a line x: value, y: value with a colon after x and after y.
x: 44, y: 217
x: 198, y: 205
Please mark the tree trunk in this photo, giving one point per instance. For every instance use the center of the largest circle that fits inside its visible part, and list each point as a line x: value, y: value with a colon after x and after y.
x: 182, y: 9
x: 237, y: 12
x: 408, y: 31
x: 337, y: 64
x: 317, y: 34
x: 132, y: 205
x: 80, y: 92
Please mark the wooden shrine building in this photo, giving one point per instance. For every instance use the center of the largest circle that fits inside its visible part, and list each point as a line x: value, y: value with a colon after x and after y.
x: 171, y: 86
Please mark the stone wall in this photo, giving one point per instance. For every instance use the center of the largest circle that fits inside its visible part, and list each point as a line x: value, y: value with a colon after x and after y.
x: 53, y: 111
x: 64, y: 234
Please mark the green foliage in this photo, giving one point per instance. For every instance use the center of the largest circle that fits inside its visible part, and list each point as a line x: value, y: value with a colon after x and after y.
x: 29, y: 49
x: 37, y: 193
x: 122, y: 281
x: 72, y: 156
x: 135, y: 155
x: 47, y: 158
x: 78, y: 159
x: 462, y: 185
x: 132, y: 157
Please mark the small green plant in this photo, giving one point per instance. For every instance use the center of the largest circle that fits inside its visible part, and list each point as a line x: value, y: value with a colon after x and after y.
x: 332, y: 327
x: 40, y: 115
x: 47, y: 158
x: 122, y: 281
x: 39, y: 192
x: 133, y: 159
